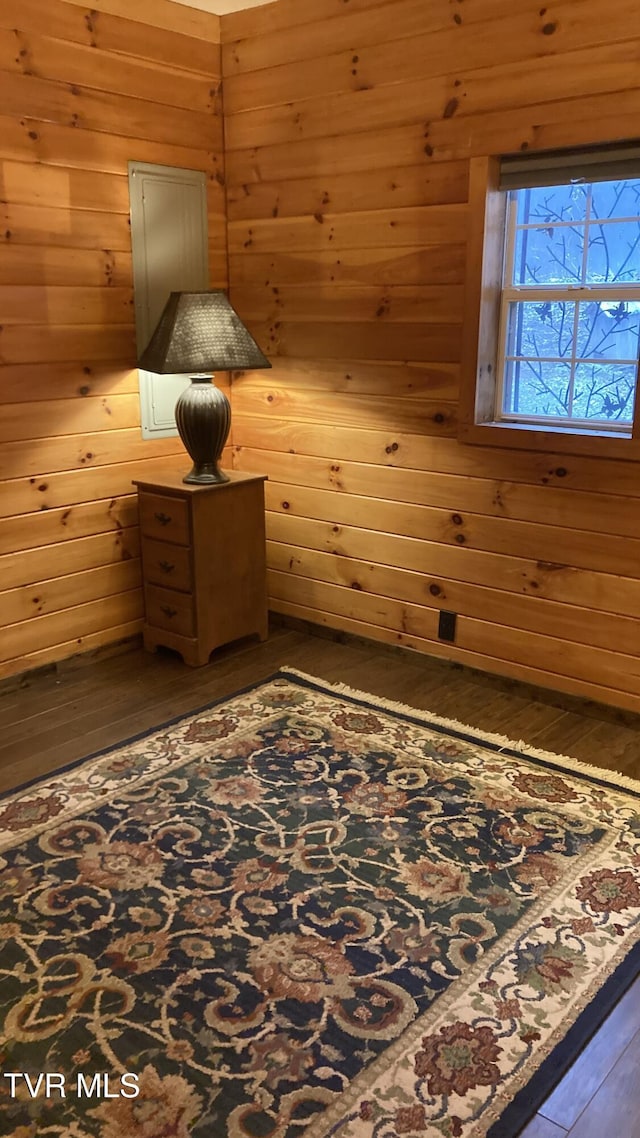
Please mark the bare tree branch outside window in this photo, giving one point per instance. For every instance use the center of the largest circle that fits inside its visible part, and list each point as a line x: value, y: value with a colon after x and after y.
x: 571, y: 305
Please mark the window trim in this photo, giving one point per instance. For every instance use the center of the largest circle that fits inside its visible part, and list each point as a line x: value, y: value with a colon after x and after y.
x: 479, y: 364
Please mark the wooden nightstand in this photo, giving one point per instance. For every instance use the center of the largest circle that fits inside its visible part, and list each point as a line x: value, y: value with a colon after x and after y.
x: 203, y: 563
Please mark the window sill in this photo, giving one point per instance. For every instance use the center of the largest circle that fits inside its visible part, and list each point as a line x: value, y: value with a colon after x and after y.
x: 518, y: 436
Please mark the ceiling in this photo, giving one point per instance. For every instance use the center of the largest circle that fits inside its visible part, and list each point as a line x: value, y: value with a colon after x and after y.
x: 221, y: 7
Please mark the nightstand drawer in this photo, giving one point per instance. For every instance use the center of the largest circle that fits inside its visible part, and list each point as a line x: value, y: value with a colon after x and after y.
x: 165, y: 518
x: 167, y: 565
x: 168, y: 609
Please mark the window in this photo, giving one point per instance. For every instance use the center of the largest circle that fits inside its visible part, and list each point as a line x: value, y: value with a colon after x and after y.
x: 558, y: 300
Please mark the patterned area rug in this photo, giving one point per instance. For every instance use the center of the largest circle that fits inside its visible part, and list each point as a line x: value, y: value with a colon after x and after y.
x: 304, y: 911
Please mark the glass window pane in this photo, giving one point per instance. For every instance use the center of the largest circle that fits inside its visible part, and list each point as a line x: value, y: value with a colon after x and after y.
x: 549, y: 255
x: 608, y: 329
x: 614, y: 253
x: 540, y: 328
x: 574, y: 359
x: 535, y: 388
x: 604, y: 392
x: 616, y: 199
x: 552, y: 203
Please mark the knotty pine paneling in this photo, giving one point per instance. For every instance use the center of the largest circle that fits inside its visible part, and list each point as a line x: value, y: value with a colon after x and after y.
x: 83, y: 92
x: 349, y: 130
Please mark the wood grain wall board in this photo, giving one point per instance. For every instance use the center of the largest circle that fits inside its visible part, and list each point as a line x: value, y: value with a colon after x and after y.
x: 399, y: 62
x: 478, y: 660
x: 48, y: 267
x: 565, y: 123
x: 389, y: 447
x: 323, y: 37
x: 49, y: 630
x: 392, y: 380
x: 285, y: 14
x: 26, y: 139
x: 552, y: 547
x: 359, y: 340
x: 79, y: 24
x: 27, y: 601
x: 546, y: 505
x: 431, y: 416
x: 33, y: 531
x: 435, y: 264
x: 500, y: 608
x: 63, y: 304
x: 26, y: 53
x: 50, y: 343
x: 333, y: 156
x: 429, y: 304
x: 62, y: 417
x: 478, y: 85
x: 440, y: 183
x: 29, y: 566
x: 64, y: 189
x: 68, y: 488
x: 441, y: 564
x: 414, y: 33
x: 28, y: 661
x: 26, y: 383
x: 562, y: 123
x: 249, y: 23
x: 219, y: 268
x: 73, y: 452
x: 391, y: 229
x: 77, y: 229
x: 368, y: 108
x: 600, y: 121
x: 102, y: 111
x: 592, y: 665
x: 162, y: 14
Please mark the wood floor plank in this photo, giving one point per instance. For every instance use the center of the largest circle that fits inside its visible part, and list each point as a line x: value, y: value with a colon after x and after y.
x: 620, y: 752
x: 51, y: 697
x: 568, y: 736
x: 102, y: 723
x: 615, y: 1108
x: 573, y: 1094
x: 541, y: 1127
x: 531, y: 720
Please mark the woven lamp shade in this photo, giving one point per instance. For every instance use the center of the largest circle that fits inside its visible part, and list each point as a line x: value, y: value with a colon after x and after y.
x: 199, y: 332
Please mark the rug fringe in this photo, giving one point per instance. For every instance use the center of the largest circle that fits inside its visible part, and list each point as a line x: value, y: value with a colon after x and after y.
x: 503, y: 742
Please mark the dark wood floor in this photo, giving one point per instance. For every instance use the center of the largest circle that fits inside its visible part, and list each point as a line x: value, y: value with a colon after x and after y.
x: 49, y: 719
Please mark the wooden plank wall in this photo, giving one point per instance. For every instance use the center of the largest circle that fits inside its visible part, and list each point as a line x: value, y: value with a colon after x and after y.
x: 81, y: 93
x: 349, y: 128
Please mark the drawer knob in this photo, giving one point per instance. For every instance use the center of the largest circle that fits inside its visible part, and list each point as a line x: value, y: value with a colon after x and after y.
x: 168, y: 611
x: 164, y: 519
x: 166, y: 566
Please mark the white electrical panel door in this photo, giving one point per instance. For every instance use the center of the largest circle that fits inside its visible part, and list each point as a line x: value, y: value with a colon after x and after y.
x: 169, y: 242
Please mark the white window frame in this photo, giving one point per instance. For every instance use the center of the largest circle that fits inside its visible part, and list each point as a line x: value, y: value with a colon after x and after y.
x: 491, y: 177
x: 572, y: 293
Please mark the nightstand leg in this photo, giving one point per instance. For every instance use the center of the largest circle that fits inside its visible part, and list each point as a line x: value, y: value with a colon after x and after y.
x: 194, y: 657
